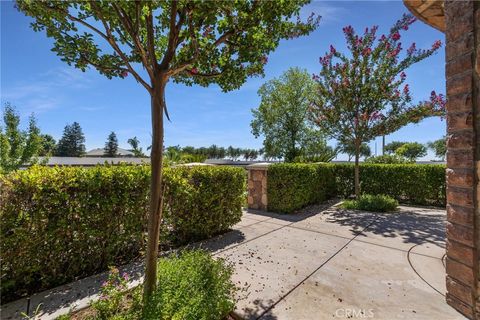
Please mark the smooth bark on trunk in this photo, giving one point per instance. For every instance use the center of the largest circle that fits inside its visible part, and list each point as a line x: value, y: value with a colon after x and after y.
x: 357, y: 169
x: 156, y: 187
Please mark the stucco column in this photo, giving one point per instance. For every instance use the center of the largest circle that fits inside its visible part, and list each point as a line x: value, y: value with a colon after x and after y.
x: 257, y: 186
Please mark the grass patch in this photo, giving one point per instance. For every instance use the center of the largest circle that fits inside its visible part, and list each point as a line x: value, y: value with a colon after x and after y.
x: 375, y: 203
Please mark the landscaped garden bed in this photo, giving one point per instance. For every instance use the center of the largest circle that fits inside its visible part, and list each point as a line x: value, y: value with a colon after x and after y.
x: 62, y: 224
x: 293, y: 186
x: 191, y: 286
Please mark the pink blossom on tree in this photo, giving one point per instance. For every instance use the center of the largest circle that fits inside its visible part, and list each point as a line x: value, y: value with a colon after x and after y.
x: 364, y: 94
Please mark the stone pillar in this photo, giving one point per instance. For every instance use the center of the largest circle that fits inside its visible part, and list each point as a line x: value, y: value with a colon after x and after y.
x: 463, y: 155
x: 257, y: 186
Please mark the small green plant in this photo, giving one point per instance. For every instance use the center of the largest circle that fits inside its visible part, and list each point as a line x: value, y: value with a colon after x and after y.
x: 368, y: 202
x: 35, y: 315
x: 192, y: 286
x: 112, y: 295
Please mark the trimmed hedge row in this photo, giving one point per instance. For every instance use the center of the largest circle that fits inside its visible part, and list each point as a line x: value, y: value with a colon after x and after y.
x: 59, y: 224
x: 421, y: 184
x: 294, y: 186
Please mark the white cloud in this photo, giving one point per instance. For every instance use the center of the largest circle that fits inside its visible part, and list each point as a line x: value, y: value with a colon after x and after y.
x: 44, y: 91
x: 326, y: 9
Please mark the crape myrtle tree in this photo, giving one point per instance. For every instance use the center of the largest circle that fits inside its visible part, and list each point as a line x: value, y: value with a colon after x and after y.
x: 193, y: 42
x: 363, y: 94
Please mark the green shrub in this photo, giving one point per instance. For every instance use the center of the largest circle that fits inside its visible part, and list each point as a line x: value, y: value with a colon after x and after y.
x: 388, y: 159
x: 293, y: 186
x: 202, y: 201
x: 375, y: 203
x: 421, y: 184
x: 192, y: 286
x: 59, y: 224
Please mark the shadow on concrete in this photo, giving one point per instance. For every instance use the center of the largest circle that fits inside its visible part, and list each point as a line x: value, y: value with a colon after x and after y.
x: 412, y: 225
x: 220, y: 242
x: 298, y: 215
x: 258, y: 310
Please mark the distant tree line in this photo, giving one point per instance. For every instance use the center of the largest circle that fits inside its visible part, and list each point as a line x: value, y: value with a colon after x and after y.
x: 174, y: 153
x: 402, y: 151
x: 19, y: 147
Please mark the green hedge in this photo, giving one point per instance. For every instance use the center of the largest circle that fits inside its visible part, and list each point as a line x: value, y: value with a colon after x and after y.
x: 293, y: 186
x: 421, y: 184
x: 58, y: 224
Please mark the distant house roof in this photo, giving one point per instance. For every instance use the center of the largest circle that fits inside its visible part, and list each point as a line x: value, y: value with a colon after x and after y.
x: 92, y: 161
x: 98, y: 152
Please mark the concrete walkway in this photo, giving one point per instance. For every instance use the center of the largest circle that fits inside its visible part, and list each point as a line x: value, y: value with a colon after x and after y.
x: 323, y: 263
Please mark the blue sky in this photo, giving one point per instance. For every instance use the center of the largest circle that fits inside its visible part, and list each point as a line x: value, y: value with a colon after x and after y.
x: 35, y: 80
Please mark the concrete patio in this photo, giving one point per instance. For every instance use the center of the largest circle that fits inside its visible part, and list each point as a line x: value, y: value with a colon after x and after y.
x: 321, y: 263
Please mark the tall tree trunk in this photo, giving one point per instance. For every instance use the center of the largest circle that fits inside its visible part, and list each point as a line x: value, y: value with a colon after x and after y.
x: 357, y: 169
x: 156, y: 193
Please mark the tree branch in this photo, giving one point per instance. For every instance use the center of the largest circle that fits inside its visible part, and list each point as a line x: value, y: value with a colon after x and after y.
x: 111, y: 40
x: 224, y: 37
x: 172, y: 36
x: 205, y: 75
x: 82, y: 22
x: 128, y: 24
x: 100, y: 67
x: 151, y: 41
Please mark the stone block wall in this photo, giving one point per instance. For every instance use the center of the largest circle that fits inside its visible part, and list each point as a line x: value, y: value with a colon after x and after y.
x: 257, y: 186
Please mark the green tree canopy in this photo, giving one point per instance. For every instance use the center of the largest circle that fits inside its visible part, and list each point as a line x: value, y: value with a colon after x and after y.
x: 315, y: 149
x: 412, y: 150
x: 281, y: 117
x: 391, y: 147
x: 439, y: 147
x: 72, y: 142
x: 194, y: 42
x: 363, y: 94
x: 48, y: 145
x: 349, y: 149
x: 111, y: 146
x: 18, y: 147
